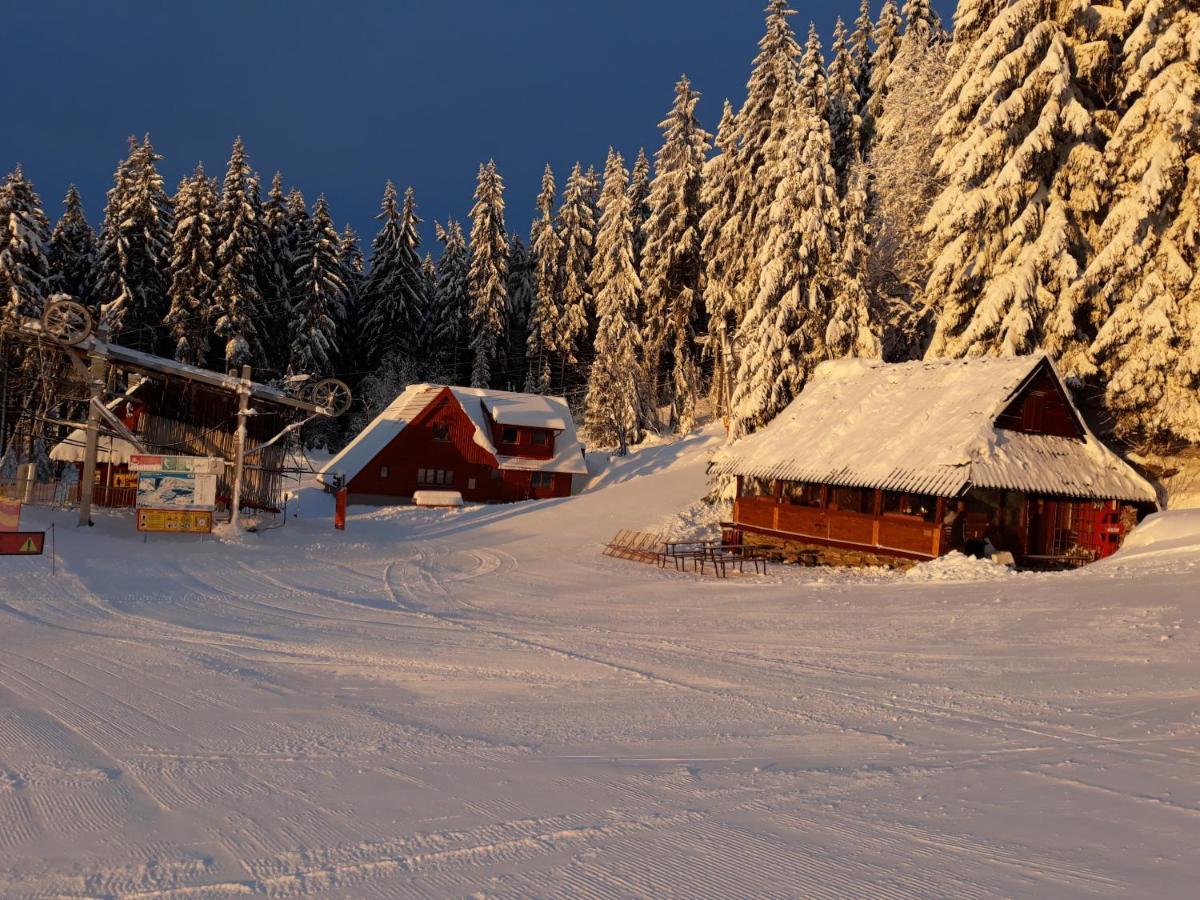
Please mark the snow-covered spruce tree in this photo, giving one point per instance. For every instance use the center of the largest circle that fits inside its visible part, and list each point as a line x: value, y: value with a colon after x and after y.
x: 383, y: 302
x: 429, y: 293
x: 274, y: 265
x: 451, y: 314
x: 614, y: 403
x: 860, y: 53
x: 412, y: 281
x: 319, y: 294
x: 672, y: 272
x: 546, y: 260
x: 133, y: 260
x: 781, y: 338
x: 236, y: 300
x: 722, y: 255
x: 904, y: 183
x: 72, y: 251
x: 971, y: 19
x: 886, y: 38
x: 1145, y: 266
x: 639, y: 206
x: 521, y: 300
x: 852, y: 329
x: 845, y: 124
x: 814, y: 91
x: 488, y: 280
x: 25, y: 280
x: 1007, y: 233
x: 351, y: 336
x: 193, y: 262
x: 576, y: 231
x: 922, y: 25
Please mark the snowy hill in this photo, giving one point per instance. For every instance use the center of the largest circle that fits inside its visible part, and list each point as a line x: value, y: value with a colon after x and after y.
x: 475, y: 701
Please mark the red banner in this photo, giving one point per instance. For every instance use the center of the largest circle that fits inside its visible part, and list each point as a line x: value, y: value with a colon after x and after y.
x: 22, y: 543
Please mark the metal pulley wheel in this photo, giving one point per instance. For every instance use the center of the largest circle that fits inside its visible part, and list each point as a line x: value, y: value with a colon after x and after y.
x: 331, y: 394
x: 67, y: 322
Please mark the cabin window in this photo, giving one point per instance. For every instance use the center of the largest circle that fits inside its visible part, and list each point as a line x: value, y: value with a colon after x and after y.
x: 508, y: 435
x: 539, y: 438
x: 921, y: 506
x: 383, y: 471
x: 799, y: 494
x: 758, y: 487
x: 541, y: 480
x: 441, y: 431
x: 852, y: 499
x: 435, y: 476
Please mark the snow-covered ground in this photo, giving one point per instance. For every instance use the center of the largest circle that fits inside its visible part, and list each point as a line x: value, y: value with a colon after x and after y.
x: 476, y: 702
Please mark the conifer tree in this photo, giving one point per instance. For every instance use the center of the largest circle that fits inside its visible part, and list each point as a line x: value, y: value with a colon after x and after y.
x: 193, y: 261
x: 546, y: 251
x: 133, y: 259
x: 781, y: 338
x: 24, y: 234
x: 236, y: 301
x: 451, y: 314
x: 860, y: 53
x: 672, y: 265
x: 614, y: 405
x: 425, y: 331
x: 521, y: 301
x: 639, y: 206
x: 320, y: 293
x: 851, y: 330
x: 382, y: 299
x: 922, y: 25
x: 72, y: 251
x: 274, y: 265
x: 886, y: 38
x: 845, y: 124
x: 971, y: 19
x: 1007, y: 233
x: 1145, y: 265
x: 575, y: 229
x: 814, y: 91
x: 719, y: 194
x: 351, y: 335
x: 488, y: 279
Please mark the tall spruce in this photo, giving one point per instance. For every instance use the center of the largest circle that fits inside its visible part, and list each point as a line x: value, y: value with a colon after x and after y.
x: 133, y: 260
x: 72, y: 251
x: 781, y: 338
x: 451, y: 314
x: 320, y: 293
x: 814, y: 89
x: 193, y: 262
x: 521, y: 301
x: 614, y: 404
x: 274, y: 265
x: 546, y: 249
x: 25, y: 281
x: 639, y: 205
x: 886, y: 38
x: 576, y: 231
x: 852, y: 329
x: 672, y: 270
x: 845, y: 123
x: 236, y: 300
x: 860, y: 52
x: 488, y: 278
x: 351, y: 334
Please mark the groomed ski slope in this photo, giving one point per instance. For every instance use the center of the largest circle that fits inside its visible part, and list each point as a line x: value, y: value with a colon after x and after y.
x: 476, y: 702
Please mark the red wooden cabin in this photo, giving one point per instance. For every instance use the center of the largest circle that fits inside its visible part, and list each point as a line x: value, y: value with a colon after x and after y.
x: 872, y: 459
x: 490, y: 446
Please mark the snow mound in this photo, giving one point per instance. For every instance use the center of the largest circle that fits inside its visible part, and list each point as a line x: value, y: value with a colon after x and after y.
x: 1176, y: 529
x: 699, y: 520
x: 955, y: 566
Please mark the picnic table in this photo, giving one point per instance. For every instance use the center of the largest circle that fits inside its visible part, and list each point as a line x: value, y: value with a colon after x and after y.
x: 717, y: 554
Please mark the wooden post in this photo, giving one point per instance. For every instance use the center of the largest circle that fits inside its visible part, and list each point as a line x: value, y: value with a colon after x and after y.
x: 96, y: 377
x: 239, y: 459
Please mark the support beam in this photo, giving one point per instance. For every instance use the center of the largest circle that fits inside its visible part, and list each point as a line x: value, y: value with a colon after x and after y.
x: 97, y: 376
x: 239, y: 460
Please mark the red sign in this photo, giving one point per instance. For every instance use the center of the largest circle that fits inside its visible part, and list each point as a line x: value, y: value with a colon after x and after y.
x: 22, y: 543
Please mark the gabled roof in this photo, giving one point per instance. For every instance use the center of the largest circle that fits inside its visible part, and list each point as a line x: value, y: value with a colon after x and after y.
x: 503, y: 407
x: 927, y: 427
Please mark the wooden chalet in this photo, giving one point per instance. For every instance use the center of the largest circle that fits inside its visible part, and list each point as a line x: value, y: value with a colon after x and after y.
x: 489, y: 446
x: 869, y: 465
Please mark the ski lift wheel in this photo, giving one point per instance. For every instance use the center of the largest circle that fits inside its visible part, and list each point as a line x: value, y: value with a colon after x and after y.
x: 67, y: 322
x: 331, y: 394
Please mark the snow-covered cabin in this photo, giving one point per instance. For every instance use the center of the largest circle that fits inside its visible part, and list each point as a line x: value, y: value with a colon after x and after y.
x: 873, y: 457
x: 490, y: 446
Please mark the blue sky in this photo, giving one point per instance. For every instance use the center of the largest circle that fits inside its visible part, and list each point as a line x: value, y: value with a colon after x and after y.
x: 341, y: 96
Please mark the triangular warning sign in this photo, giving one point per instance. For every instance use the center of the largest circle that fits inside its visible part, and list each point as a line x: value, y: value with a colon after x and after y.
x: 29, y: 546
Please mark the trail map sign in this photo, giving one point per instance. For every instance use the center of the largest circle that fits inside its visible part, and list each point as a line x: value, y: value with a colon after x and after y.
x: 22, y: 543
x: 175, y: 494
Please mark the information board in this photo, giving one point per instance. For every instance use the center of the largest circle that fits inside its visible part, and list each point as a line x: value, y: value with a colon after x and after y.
x: 176, y: 490
x: 175, y: 521
x: 195, y: 465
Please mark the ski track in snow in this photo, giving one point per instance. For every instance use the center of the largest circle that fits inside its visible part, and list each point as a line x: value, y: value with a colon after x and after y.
x: 476, y: 703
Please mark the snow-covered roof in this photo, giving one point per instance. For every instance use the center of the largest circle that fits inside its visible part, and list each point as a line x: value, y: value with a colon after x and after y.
x: 926, y: 427
x: 504, y: 407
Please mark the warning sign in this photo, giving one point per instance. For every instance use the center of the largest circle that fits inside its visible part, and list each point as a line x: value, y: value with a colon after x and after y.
x: 175, y: 521
x: 22, y: 543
